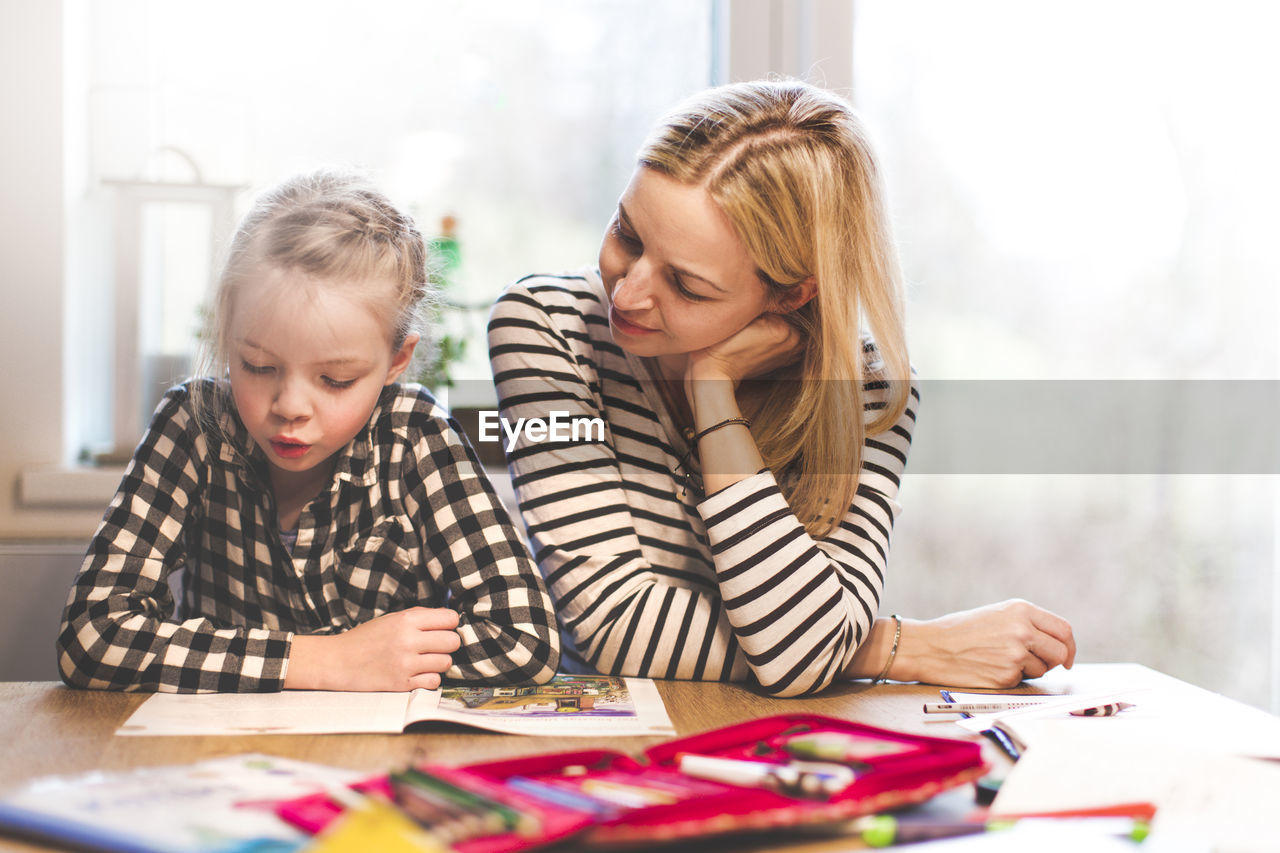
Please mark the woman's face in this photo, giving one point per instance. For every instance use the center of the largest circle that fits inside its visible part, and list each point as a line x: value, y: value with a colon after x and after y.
x: 677, y: 277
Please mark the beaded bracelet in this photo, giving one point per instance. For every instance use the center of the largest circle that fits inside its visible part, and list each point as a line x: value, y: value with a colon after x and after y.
x: 893, y: 652
x: 693, y: 438
x: 727, y: 422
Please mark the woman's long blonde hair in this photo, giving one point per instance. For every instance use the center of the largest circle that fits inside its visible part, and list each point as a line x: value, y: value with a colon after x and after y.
x: 791, y: 167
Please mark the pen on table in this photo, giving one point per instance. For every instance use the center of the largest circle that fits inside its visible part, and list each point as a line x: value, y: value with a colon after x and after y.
x: 971, y: 707
x: 1106, y: 710
x: 996, y: 736
x: 887, y: 830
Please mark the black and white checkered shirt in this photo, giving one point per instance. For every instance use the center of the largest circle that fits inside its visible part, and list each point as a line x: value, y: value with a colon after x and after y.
x: 408, y: 519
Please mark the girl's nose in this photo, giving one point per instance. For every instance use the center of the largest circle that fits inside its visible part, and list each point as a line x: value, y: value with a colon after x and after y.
x: 290, y: 401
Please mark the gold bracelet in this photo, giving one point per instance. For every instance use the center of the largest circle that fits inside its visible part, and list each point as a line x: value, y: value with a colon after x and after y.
x: 893, y: 652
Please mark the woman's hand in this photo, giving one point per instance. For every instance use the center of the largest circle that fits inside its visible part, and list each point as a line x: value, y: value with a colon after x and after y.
x: 993, y: 646
x: 395, y: 652
x: 766, y: 343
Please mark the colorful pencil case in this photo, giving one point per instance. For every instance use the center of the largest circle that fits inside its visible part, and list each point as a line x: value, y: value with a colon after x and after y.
x: 616, y: 799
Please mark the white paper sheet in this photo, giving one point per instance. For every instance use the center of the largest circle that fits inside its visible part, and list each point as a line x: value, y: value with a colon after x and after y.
x: 1204, y: 800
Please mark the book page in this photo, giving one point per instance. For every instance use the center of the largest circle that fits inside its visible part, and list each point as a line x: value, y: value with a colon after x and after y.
x: 570, y: 705
x: 290, y: 712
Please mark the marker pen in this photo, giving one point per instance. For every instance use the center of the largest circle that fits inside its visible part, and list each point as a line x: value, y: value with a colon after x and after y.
x: 804, y: 778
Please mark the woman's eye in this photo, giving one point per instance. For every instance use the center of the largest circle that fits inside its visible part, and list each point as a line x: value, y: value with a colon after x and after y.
x: 685, y: 292
x: 626, y: 239
x: 337, y: 384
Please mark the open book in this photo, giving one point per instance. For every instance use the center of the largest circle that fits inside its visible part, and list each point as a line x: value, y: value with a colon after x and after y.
x: 569, y: 705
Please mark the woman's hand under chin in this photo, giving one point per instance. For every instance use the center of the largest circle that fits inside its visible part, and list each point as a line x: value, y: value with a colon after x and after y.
x: 766, y: 343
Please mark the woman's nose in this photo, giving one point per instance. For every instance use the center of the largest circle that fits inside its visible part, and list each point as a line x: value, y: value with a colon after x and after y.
x: 632, y: 292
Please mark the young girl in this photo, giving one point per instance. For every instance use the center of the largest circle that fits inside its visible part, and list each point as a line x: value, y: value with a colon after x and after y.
x: 332, y: 528
x: 734, y: 522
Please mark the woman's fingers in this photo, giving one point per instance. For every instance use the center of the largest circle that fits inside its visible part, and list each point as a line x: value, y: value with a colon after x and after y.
x: 1058, y: 628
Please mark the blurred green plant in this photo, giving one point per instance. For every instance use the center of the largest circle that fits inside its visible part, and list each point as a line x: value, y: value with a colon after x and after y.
x: 448, y: 349
x: 444, y: 258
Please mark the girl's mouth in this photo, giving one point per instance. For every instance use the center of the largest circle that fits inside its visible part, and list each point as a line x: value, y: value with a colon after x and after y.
x: 288, y: 448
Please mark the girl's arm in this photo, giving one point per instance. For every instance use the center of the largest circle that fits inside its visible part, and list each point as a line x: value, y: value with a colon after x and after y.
x: 506, y: 622
x: 118, y: 628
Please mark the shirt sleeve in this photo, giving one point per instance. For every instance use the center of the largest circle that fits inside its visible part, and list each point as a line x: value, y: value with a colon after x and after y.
x: 784, y: 609
x: 801, y: 606
x: 506, y: 620
x: 119, y: 630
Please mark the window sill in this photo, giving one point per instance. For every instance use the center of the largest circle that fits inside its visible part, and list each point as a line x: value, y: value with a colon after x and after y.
x: 69, y: 487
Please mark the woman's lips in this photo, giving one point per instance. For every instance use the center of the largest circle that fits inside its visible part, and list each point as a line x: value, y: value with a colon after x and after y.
x: 622, y: 324
x: 288, y: 448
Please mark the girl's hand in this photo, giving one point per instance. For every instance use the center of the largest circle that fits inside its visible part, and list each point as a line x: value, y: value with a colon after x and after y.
x: 396, y: 652
x: 993, y: 646
x: 766, y: 343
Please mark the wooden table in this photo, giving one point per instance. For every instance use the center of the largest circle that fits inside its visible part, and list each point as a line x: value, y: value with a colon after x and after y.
x: 49, y: 729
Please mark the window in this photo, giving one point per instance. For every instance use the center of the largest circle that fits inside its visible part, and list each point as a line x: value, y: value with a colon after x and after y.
x: 1085, y: 195
x: 517, y: 124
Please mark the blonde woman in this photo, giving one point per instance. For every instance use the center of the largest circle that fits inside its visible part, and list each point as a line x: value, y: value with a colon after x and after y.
x: 742, y: 344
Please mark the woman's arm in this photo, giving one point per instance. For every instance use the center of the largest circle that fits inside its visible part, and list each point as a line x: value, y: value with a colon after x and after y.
x: 118, y: 628
x: 626, y: 615
x: 780, y: 605
x: 506, y: 622
x: 994, y: 646
x: 803, y: 608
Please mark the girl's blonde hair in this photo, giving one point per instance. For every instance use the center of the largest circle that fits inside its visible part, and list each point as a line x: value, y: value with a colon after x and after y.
x: 791, y: 167
x: 329, y: 226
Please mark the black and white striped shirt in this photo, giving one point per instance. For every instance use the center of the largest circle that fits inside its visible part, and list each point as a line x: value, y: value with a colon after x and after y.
x: 408, y: 519
x: 649, y: 581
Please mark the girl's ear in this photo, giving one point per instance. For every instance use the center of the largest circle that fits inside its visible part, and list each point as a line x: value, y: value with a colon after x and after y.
x: 401, y: 359
x: 799, y: 295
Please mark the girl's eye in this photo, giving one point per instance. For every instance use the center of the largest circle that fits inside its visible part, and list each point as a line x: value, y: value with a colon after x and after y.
x: 255, y: 369
x: 337, y: 384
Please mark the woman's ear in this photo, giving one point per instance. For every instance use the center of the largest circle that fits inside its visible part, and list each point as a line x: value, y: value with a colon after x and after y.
x: 799, y: 295
x: 401, y: 359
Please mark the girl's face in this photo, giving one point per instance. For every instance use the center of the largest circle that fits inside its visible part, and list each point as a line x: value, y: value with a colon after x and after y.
x: 677, y: 276
x: 308, y: 360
